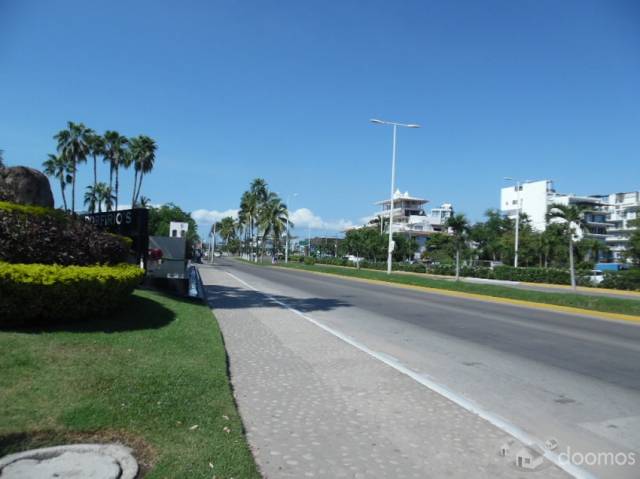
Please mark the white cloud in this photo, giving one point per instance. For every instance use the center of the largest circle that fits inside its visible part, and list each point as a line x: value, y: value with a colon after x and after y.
x: 305, y: 218
x: 208, y: 217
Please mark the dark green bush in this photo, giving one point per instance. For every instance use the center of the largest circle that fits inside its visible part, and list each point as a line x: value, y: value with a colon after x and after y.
x: 629, y: 280
x: 36, y: 293
x: 309, y: 260
x: 32, y: 234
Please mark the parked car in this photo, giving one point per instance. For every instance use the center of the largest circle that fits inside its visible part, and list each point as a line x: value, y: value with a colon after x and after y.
x: 596, y: 276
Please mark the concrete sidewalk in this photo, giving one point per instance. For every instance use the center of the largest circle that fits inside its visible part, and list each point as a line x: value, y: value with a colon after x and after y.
x: 315, y: 406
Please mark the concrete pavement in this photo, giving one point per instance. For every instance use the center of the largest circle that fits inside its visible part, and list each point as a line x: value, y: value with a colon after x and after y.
x: 573, y: 379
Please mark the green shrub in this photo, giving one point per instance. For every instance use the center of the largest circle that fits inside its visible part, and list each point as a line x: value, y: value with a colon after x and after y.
x: 629, y: 280
x: 51, y: 293
x: 309, y: 260
x: 32, y: 234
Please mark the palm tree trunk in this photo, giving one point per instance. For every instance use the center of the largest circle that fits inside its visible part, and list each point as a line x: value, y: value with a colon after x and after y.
x: 139, y: 186
x: 457, y: 264
x: 95, y: 172
x: 64, y: 197
x: 571, y: 267
x: 73, y: 188
x: 135, y: 181
x: 117, y: 185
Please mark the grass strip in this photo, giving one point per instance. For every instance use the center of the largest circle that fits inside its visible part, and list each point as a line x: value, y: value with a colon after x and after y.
x: 590, y: 302
x: 153, y: 376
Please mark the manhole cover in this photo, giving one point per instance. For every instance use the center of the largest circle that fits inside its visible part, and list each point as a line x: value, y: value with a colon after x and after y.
x: 78, y: 461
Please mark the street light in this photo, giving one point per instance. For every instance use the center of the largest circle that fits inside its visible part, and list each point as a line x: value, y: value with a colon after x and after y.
x: 515, y: 253
x: 393, y: 180
x: 286, y: 251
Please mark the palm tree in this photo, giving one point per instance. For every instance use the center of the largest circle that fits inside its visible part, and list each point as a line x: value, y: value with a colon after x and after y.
x: 227, y: 229
x: 74, y: 144
x: 459, y: 227
x: 145, y: 202
x: 143, y: 156
x: 249, y: 205
x: 243, y: 219
x: 259, y: 193
x: 573, y: 217
x: 273, y: 220
x: 105, y: 195
x: 96, y: 148
x: 91, y: 198
x: 57, y: 167
x: 115, y: 148
x: 1, y: 158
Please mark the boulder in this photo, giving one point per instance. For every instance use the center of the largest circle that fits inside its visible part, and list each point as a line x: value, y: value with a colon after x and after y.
x: 25, y: 186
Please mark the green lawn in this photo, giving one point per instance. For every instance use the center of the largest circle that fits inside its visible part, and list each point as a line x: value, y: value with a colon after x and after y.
x: 592, y: 302
x: 153, y: 377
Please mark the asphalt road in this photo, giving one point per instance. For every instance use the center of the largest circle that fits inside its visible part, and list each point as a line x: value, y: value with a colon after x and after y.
x: 554, y: 375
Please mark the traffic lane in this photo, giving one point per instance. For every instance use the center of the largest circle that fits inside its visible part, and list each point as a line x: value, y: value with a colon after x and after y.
x: 604, y: 350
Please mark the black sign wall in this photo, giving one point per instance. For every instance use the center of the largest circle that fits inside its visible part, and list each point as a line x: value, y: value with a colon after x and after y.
x: 132, y: 223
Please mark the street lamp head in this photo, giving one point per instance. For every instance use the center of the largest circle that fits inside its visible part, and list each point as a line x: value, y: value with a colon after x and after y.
x: 508, y: 178
x: 413, y: 125
x: 374, y: 120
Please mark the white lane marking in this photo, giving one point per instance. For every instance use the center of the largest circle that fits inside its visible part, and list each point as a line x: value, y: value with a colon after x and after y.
x: 496, y: 420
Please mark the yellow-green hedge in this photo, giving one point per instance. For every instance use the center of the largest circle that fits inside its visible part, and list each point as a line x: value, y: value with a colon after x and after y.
x: 51, y: 293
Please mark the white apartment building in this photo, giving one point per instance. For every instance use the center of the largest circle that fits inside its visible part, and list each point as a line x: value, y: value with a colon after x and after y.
x: 410, y: 217
x: 607, y: 216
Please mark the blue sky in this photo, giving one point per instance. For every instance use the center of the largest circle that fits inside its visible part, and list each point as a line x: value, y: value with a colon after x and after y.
x: 232, y: 90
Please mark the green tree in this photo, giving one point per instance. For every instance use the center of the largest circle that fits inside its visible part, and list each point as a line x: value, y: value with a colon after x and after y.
x: 440, y: 248
x: 91, y: 198
x: 405, y: 247
x: 273, y: 221
x: 115, y: 153
x: 226, y: 228
x: 160, y: 217
x: 143, y: 156
x: 633, y: 248
x: 73, y: 143
x: 459, y: 226
x: 58, y: 167
x: 572, y: 217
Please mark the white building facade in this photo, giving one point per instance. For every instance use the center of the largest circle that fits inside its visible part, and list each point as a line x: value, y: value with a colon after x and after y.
x: 607, y: 216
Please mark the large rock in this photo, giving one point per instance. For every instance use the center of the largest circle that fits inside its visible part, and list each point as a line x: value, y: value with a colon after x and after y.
x: 26, y: 186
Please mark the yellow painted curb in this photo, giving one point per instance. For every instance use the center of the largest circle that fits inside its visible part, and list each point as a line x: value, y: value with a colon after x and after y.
x: 620, y: 292
x: 482, y: 297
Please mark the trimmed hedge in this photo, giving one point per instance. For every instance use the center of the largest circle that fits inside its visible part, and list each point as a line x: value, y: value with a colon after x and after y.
x: 36, y: 293
x: 32, y: 234
x: 629, y: 279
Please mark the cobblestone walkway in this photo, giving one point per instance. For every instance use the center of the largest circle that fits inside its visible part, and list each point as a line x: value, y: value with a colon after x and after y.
x: 314, y: 406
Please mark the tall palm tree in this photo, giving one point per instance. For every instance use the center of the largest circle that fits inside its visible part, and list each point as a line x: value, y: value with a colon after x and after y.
x: 58, y: 167
x: 459, y: 227
x: 96, y: 148
x: 143, y: 156
x: 74, y: 144
x: 227, y: 229
x: 273, y: 220
x: 115, y: 153
x: 259, y: 193
x: 91, y: 198
x: 573, y: 217
x: 250, y: 206
x: 243, y: 220
x: 1, y: 158
x: 105, y: 196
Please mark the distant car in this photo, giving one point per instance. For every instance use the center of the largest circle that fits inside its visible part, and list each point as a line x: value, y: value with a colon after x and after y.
x: 353, y: 259
x: 596, y: 276
x: 217, y: 254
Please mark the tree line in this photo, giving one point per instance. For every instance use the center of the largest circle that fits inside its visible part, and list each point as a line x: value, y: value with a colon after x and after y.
x: 77, y: 143
x: 262, y: 216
